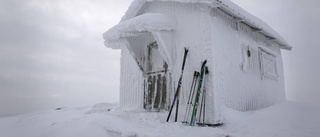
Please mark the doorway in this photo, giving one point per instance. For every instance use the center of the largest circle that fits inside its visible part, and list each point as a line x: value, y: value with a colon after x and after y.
x: 157, y: 80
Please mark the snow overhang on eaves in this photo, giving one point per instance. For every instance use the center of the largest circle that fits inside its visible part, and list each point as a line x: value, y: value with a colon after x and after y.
x: 149, y: 22
x: 255, y: 23
x: 227, y: 6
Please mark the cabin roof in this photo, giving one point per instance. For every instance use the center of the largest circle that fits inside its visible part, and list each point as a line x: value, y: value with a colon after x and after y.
x: 227, y: 6
x: 142, y: 23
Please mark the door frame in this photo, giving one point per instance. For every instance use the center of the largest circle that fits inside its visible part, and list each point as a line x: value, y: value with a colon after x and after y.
x: 157, y: 77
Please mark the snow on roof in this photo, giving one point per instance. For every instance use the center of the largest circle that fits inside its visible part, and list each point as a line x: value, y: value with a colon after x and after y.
x: 228, y: 7
x: 146, y: 22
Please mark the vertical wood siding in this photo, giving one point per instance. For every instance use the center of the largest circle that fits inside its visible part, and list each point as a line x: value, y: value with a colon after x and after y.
x: 131, y: 82
x: 243, y: 90
x: 192, y: 32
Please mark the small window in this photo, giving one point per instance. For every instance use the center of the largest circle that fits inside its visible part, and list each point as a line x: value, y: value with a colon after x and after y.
x: 268, y: 64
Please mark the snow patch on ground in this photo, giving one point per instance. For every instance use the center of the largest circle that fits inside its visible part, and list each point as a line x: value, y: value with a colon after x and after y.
x: 288, y: 119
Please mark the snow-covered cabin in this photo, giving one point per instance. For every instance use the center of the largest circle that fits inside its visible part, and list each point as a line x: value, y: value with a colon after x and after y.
x: 243, y: 54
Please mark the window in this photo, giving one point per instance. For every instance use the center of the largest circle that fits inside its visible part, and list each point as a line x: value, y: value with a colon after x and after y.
x: 268, y: 64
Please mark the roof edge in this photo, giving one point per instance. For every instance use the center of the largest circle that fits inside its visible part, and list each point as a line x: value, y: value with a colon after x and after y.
x: 224, y: 5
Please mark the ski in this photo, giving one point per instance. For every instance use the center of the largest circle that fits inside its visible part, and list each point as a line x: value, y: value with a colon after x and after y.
x: 196, y: 101
x: 203, y: 100
x: 176, y: 95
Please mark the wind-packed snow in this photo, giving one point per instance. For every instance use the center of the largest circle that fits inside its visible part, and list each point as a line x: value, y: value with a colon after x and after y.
x: 288, y: 119
x: 147, y: 22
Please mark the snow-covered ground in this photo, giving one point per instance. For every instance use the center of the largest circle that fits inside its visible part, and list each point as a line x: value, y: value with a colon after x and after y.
x: 289, y: 119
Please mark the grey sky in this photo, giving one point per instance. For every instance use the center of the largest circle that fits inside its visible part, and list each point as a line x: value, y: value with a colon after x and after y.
x: 52, y: 52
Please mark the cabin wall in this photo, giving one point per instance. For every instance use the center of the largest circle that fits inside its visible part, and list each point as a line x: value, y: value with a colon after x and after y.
x: 131, y: 82
x: 210, y: 34
x: 193, y: 21
x: 238, y: 77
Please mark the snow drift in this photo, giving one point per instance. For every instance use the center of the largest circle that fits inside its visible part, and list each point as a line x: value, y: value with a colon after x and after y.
x: 289, y: 119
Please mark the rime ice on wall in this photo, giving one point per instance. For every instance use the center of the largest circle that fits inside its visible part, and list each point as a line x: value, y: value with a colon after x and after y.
x: 131, y: 82
x: 238, y: 76
x: 192, y: 32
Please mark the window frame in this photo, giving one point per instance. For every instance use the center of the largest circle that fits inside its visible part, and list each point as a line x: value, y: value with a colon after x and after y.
x: 264, y: 55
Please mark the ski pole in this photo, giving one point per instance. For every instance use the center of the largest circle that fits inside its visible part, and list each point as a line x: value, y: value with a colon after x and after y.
x: 176, y: 96
x: 189, y: 99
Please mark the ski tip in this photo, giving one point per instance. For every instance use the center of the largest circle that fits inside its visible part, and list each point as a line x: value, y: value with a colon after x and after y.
x: 204, y: 62
x: 186, y: 49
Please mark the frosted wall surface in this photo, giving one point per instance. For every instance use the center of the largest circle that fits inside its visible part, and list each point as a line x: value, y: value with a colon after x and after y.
x: 193, y: 21
x: 238, y: 76
x: 131, y: 82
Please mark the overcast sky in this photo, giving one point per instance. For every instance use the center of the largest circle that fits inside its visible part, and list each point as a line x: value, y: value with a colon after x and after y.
x: 52, y: 53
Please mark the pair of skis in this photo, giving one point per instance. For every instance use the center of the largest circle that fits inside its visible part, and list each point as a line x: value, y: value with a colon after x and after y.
x: 198, y: 77
x: 177, y: 93
x: 203, y: 101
